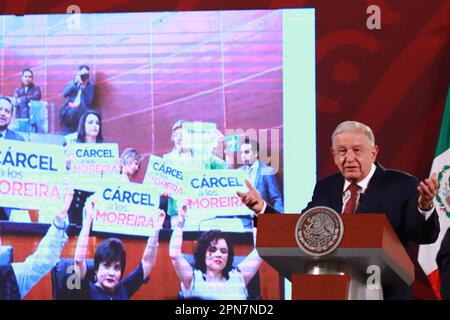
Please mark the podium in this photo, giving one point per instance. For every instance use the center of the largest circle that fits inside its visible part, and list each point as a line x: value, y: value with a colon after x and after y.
x: 369, y: 252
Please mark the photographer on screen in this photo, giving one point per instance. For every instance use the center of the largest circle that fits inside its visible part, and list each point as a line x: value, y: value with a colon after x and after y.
x: 80, y: 95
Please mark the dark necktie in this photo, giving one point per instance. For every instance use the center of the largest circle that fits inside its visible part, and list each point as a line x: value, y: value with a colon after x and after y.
x: 350, y: 206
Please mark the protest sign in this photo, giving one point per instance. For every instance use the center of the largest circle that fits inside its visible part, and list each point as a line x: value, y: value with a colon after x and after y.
x: 166, y: 176
x: 31, y: 175
x: 212, y: 195
x: 202, y: 136
x: 92, y: 162
x: 232, y: 141
x: 127, y: 208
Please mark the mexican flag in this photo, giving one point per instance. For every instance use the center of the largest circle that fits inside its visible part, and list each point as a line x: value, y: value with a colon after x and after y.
x: 441, y: 165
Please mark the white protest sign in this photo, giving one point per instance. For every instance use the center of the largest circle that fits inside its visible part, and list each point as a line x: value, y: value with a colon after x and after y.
x: 200, y: 135
x: 212, y: 194
x: 31, y: 175
x: 165, y: 176
x: 92, y: 162
x: 128, y: 208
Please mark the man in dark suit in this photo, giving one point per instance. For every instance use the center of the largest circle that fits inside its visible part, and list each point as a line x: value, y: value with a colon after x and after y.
x: 261, y: 175
x: 25, y: 93
x: 6, y: 112
x: 364, y: 186
x: 80, y: 96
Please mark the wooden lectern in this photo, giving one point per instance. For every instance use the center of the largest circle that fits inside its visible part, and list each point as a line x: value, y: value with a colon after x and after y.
x: 369, y: 245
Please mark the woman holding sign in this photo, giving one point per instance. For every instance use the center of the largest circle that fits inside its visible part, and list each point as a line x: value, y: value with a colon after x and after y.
x: 110, y: 262
x: 213, y: 276
x: 89, y: 131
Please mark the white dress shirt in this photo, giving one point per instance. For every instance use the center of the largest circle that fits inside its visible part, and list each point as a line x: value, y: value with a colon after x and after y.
x: 363, y: 184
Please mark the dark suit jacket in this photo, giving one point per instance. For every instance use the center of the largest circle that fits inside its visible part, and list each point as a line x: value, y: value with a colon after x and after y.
x: 390, y: 192
x: 9, y: 290
x: 87, y: 94
x: 443, y: 262
x: 267, y: 185
x: 10, y: 135
x: 33, y: 93
x: 71, y: 116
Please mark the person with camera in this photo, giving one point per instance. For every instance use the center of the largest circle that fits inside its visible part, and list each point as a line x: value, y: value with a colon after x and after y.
x: 80, y: 95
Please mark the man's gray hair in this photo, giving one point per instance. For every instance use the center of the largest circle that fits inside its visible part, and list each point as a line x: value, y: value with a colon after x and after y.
x: 352, y: 126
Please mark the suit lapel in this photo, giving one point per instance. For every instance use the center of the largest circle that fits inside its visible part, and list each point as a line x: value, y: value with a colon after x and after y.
x: 336, y: 196
x: 366, y: 203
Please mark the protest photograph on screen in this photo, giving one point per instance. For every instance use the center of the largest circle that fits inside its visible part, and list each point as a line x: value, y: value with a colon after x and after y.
x: 150, y: 112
